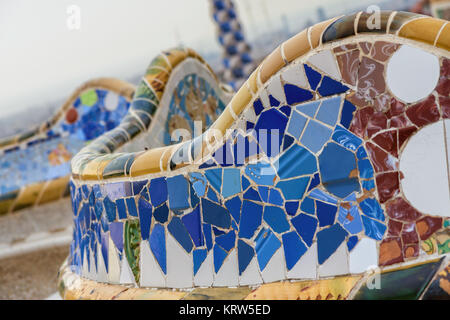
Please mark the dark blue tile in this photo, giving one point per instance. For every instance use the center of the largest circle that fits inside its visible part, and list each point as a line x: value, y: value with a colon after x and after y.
x: 365, y: 169
x: 193, y: 225
x: 121, y: 208
x: 252, y: 194
x: 179, y: 232
x: 308, y: 206
x: 110, y: 208
x: 245, y: 255
x: 227, y: 241
x: 295, y: 95
x: 291, y: 207
x: 275, y: 217
x: 293, y: 247
x: 273, y: 102
x: 306, y: 227
x: 198, y: 256
x: 328, y: 240
x: 234, y: 207
x: 313, y: 76
x: 275, y: 197
x: 212, y: 195
x: 158, y: 191
x: 138, y: 185
x: 214, y: 177
x: 315, y: 181
x: 208, y: 235
x: 215, y: 214
x: 161, y: 213
x: 178, y: 190
x: 329, y: 87
x: 250, y: 219
x: 269, y: 131
x: 131, y: 205
x: 264, y: 193
x: 296, y: 161
x: 145, y: 217
x: 266, y: 245
x: 351, y: 242
x: 158, y: 245
x: 347, y: 114
x: 286, y: 110
x: 219, y: 257
x: 293, y: 189
x: 326, y: 213
x: 288, y: 141
x: 258, y: 106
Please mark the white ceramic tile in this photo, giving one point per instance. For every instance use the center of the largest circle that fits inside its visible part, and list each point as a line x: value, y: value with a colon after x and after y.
x: 264, y: 99
x: 150, y: 272
x: 412, y: 73
x: 113, y: 263
x: 179, y: 265
x: 85, y: 268
x: 447, y: 131
x: 111, y: 101
x: 205, y: 274
x: 275, y: 269
x: 249, y: 115
x: 306, y: 266
x: 228, y: 274
x: 337, y: 264
x: 102, y: 275
x: 324, y: 61
x: 295, y: 74
x: 92, y: 274
x: 251, y: 274
x: 424, y: 166
x: 275, y: 89
x: 363, y: 256
x: 126, y: 275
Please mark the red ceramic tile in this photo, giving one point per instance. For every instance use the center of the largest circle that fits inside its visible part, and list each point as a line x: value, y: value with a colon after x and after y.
x: 396, y: 108
x: 424, y: 112
x: 427, y: 225
x: 382, y: 102
x: 399, y: 121
x: 360, y: 121
x: 388, y: 141
x: 400, y: 209
x: 443, y: 86
x: 404, y: 134
x: 382, y: 50
x: 409, y: 233
x: 377, y: 122
x: 365, y: 47
x: 381, y: 160
x: 388, y: 186
x: 349, y: 64
x: 394, y: 227
x: 445, y: 67
x: 445, y: 107
x: 391, y: 251
x: 345, y: 47
x: 371, y: 81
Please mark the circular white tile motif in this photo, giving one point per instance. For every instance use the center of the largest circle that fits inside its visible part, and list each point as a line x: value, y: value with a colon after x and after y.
x: 423, y: 163
x: 412, y: 73
x: 111, y: 101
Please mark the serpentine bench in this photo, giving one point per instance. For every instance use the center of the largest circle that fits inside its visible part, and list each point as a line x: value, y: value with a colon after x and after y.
x: 325, y: 177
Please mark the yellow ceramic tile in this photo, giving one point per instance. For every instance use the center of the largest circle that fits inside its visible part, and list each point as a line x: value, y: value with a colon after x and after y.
x: 296, y: 46
x: 240, y: 100
x: 423, y: 29
x: 317, y: 30
x: 271, y: 64
x: 91, y: 169
x: 443, y: 40
x: 175, y: 56
x: 54, y: 189
x: 252, y: 81
x: 224, y: 121
x: 148, y: 161
x: 218, y: 293
x: 28, y: 195
x: 5, y: 205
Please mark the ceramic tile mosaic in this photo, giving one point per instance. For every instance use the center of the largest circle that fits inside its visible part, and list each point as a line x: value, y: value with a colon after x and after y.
x: 315, y: 178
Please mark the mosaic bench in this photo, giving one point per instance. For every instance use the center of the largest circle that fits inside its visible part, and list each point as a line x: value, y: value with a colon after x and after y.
x: 325, y: 177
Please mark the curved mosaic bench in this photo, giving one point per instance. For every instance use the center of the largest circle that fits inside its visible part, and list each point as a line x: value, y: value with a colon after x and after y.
x: 315, y: 173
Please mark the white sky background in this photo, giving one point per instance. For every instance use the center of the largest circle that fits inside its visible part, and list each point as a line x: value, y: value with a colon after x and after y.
x: 42, y: 60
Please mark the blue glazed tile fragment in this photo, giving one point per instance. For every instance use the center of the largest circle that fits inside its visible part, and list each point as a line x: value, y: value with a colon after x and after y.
x: 351, y: 243
x: 252, y: 194
x: 361, y: 153
x: 131, y: 205
x: 365, y: 169
x: 194, y: 198
x: 291, y: 207
x: 208, y: 235
x: 288, y: 141
x: 98, y: 208
x: 275, y: 217
x: 296, y: 161
x: 273, y: 102
x: 330, y: 86
x: 192, y: 223
x: 328, y: 240
x: 121, y: 208
x: 315, y: 181
x: 321, y: 195
x: 245, y: 255
x: 266, y: 245
x: 217, y: 232
x: 104, y: 249
x: 138, y: 185
x: 296, y: 124
x: 158, y: 191
x: 215, y: 214
x: 346, y: 139
x: 234, y: 207
x: 326, y: 213
x: 116, y: 232
x: 178, y: 191
x: 293, y: 189
x: 245, y: 183
x: 250, y: 219
x: 262, y: 173
x: 258, y: 106
x: 269, y: 131
x: 145, y: 217
x: 368, y: 184
x: 315, y: 136
x: 329, y: 110
x: 373, y: 229
x: 211, y: 195
x: 231, y: 182
x: 293, y: 247
x: 198, y: 182
x: 286, y: 110
x: 309, y: 108
x: 347, y: 114
x: 161, y: 213
x: 198, y: 257
x: 219, y: 257
x: 305, y: 226
x: 313, y: 76
x: 296, y: 94
x: 224, y: 155
x: 179, y: 232
x: 144, y: 194
x: 350, y: 219
x: 372, y: 208
x: 110, y: 209
x: 214, y: 177
x: 264, y: 193
x: 158, y: 246
x: 308, y: 205
x: 117, y: 190
x: 227, y: 241
x: 275, y: 197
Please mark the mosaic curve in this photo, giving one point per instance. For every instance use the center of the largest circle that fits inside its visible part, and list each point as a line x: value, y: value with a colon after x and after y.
x: 309, y: 181
x: 35, y: 165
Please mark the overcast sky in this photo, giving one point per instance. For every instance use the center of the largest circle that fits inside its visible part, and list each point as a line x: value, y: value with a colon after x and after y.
x: 42, y: 59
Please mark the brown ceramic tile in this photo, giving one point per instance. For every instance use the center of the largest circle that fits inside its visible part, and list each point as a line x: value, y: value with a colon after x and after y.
x: 360, y: 121
x: 404, y: 134
x: 445, y: 106
x: 382, y: 102
x: 399, y: 122
x: 394, y: 227
x: 377, y: 122
x: 365, y: 46
x: 349, y: 65
x: 388, y: 141
x: 370, y: 78
x: 396, y: 108
x: 390, y: 251
x: 381, y: 160
x: 409, y: 233
x: 400, y: 209
x: 445, y: 67
x: 382, y: 50
x: 427, y: 225
x: 388, y: 185
x: 345, y: 47
x: 424, y: 112
x: 443, y: 86
x: 411, y: 251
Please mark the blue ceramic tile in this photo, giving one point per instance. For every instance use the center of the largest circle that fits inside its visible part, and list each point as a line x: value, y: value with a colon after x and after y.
x: 234, y: 207
x: 110, y: 209
x: 215, y: 214
x: 306, y: 227
x: 347, y: 114
x: 117, y: 190
x: 273, y: 102
x: 321, y: 195
x: 296, y: 94
x: 368, y: 184
x: 329, y: 110
x: 258, y: 106
x: 296, y: 161
x: 313, y: 76
x: 261, y: 173
x: 308, y: 206
x: 179, y: 232
x: 161, y: 213
x: 365, y: 169
x: 291, y: 207
x: 104, y: 250
x: 158, y: 191
x: 219, y: 257
x: 328, y: 240
x: 286, y: 110
x: 116, y: 232
x: 346, y: 139
x: 252, y: 194
x: 275, y: 197
x: 372, y: 208
x: 245, y: 182
x: 138, y: 185
x: 296, y: 124
x: 198, y: 182
x: 231, y: 182
x: 336, y: 163
x: 192, y: 223
x: 224, y: 155
x: 315, y: 181
x: 145, y: 217
x: 158, y: 245
x: 145, y: 194
x: 208, y: 235
x: 293, y: 189
x: 131, y: 205
x: 212, y: 195
x: 227, y: 241
x: 266, y: 245
x: 361, y: 153
x: 198, y: 256
x: 178, y: 191
x: 315, y: 136
x: 250, y: 219
x: 245, y: 255
x: 294, y: 248
x: 194, y: 198
x: 309, y: 108
x: 373, y: 229
x: 275, y: 217
x: 269, y: 131
x: 218, y: 232
x: 351, y: 243
x: 329, y: 87
x: 287, y: 141
x: 121, y: 208
x: 264, y: 193
x: 350, y: 219
x: 214, y: 177
x: 326, y: 213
